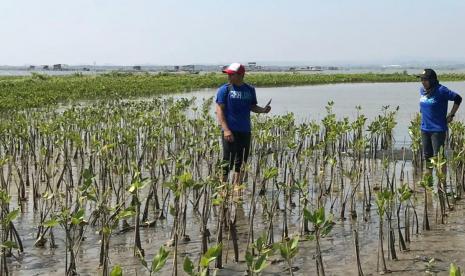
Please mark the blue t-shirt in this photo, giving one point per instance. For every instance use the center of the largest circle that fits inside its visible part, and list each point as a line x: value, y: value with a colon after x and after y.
x: 238, y: 103
x: 433, y: 108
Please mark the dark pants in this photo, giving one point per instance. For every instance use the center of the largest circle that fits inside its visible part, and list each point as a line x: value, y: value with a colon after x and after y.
x: 236, y: 152
x: 432, y: 143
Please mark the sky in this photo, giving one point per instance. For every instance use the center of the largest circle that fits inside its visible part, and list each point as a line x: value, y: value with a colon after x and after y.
x: 129, y: 32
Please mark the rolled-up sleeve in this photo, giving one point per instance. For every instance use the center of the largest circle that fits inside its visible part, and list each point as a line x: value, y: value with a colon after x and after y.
x: 254, y: 97
x: 452, y: 96
x: 221, y: 95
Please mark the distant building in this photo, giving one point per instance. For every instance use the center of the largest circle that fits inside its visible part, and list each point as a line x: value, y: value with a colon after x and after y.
x: 308, y: 68
x: 32, y: 67
x: 251, y: 66
x: 137, y: 68
x: 58, y: 67
x: 176, y: 68
x: 188, y: 68
x: 46, y: 67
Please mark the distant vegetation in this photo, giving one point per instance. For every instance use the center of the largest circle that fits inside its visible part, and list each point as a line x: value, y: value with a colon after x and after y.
x: 43, y: 90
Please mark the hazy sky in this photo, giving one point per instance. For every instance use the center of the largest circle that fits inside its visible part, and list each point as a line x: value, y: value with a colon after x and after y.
x: 219, y: 31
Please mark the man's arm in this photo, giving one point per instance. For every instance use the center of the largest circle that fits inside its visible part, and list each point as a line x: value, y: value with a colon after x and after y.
x: 457, y: 101
x: 259, y: 109
x: 228, y: 136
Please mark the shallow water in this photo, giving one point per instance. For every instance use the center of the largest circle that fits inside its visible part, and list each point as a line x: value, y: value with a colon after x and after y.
x: 337, y: 247
x: 308, y: 102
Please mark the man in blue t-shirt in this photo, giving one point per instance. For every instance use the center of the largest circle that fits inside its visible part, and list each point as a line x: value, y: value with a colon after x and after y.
x: 234, y: 102
x: 434, y: 99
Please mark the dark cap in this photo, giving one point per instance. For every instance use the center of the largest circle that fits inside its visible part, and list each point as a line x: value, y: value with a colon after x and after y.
x: 428, y: 74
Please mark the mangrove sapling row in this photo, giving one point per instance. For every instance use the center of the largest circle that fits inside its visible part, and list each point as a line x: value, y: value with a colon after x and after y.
x: 129, y: 168
x: 41, y: 90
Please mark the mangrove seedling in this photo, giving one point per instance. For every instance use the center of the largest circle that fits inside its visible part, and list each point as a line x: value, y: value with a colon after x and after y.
x: 321, y: 227
x: 454, y: 270
x: 211, y: 255
x: 427, y: 184
x: 256, y: 264
x: 288, y: 250
x: 158, y: 262
x: 382, y: 200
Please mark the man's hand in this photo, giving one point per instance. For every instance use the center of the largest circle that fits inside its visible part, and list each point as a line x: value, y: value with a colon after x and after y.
x: 450, y: 118
x: 228, y: 136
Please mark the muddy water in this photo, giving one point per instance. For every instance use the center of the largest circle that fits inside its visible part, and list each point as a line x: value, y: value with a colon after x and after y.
x: 338, y: 249
x: 444, y: 243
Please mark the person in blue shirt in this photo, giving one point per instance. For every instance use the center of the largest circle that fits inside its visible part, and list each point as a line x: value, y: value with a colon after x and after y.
x: 434, y: 99
x: 234, y: 102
